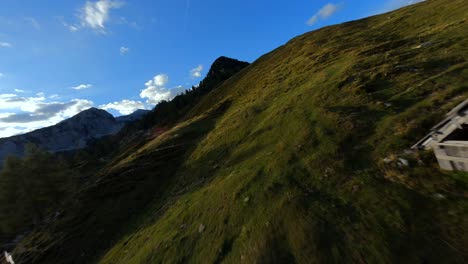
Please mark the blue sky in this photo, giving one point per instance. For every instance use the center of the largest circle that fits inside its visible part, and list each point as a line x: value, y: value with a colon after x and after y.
x: 60, y: 57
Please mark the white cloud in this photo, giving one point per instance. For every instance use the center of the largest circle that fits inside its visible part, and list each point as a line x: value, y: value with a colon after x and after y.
x: 159, y: 80
x: 125, y: 107
x: 82, y: 87
x: 23, y: 114
x: 156, y: 91
x: 196, y: 72
x: 6, y: 96
x: 73, y: 28
x: 94, y: 15
x: 19, y: 91
x: 20, y: 114
x: 5, y: 45
x: 13, y: 101
x: 324, y: 13
x: 124, y: 50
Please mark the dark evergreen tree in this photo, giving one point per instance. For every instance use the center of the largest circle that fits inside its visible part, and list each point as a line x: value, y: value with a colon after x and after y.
x: 31, y: 188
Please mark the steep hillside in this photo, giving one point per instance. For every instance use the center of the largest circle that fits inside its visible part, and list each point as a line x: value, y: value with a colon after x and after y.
x: 292, y: 160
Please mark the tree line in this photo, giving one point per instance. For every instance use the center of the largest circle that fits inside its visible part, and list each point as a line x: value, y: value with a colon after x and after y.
x: 31, y: 188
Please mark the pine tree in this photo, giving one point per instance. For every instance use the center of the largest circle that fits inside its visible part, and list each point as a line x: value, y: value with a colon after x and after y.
x: 31, y: 188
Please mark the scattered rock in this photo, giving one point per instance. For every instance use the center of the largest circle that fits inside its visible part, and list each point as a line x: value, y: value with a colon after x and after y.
x: 355, y: 188
x: 387, y: 160
x: 439, y: 196
x: 246, y: 199
x: 183, y: 226
x: 359, y: 147
x: 424, y: 45
x: 387, y: 104
x: 328, y: 172
x: 201, y: 228
x: 8, y: 257
x: 408, y: 151
x: 403, y: 162
x: 404, y: 68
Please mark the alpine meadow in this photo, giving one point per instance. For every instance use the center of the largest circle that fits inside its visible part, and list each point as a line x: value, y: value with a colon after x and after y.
x: 304, y: 155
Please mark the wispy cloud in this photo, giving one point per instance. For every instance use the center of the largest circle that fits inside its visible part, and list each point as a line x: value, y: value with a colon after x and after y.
x: 1, y: 75
x: 124, y: 50
x: 324, y: 13
x: 156, y: 90
x: 95, y: 15
x: 132, y: 24
x: 125, y: 107
x: 5, y: 45
x: 82, y: 86
x: 33, y: 22
x: 73, y: 28
x: 196, y: 72
x: 19, y: 91
x: 70, y: 27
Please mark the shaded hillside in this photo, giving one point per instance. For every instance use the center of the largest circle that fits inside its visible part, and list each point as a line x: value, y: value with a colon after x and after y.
x: 284, y: 162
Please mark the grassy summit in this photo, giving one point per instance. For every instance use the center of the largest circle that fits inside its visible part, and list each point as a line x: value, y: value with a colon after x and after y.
x: 283, y: 163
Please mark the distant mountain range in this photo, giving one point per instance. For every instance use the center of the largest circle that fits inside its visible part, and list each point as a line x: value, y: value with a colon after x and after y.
x: 70, y: 134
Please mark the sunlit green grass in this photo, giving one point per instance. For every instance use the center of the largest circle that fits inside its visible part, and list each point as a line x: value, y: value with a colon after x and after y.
x: 292, y: 170
x: 299, y: 176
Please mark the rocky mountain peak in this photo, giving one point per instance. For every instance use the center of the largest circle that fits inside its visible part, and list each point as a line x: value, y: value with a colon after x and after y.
x: 224, y: 66
x: 89, y: 114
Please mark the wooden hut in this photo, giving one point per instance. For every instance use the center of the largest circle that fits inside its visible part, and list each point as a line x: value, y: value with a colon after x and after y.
x: 449, y: 139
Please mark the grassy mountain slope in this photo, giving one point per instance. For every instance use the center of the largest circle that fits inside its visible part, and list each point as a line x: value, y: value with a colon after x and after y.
x: 283, y: 163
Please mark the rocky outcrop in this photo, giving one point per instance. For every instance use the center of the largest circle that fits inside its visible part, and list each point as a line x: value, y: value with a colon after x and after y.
x: 133, y: 116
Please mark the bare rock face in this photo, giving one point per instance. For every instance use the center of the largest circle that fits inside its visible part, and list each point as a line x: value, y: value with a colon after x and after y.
x: 70, y: 134
x: 133, y: 116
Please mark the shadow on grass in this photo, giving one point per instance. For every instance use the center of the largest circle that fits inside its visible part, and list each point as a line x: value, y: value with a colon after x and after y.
x: 101, y: 214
